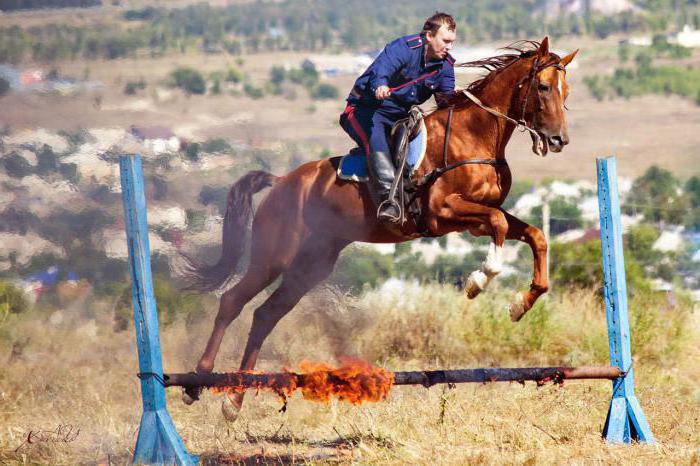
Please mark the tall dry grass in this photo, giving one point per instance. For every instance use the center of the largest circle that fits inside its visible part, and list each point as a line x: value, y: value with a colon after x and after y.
x: 79, y: 372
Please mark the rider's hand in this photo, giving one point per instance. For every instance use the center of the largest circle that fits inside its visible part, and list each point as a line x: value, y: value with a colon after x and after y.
x: 382, y: 92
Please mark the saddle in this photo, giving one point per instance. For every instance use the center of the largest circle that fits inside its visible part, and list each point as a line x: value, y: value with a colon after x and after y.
x: 408, y: 141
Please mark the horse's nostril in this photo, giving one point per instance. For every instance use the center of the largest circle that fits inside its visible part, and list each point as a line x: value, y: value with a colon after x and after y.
x: 559, y: 140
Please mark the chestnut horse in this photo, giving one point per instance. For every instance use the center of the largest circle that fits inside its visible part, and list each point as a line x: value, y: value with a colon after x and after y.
x: 310, y: 215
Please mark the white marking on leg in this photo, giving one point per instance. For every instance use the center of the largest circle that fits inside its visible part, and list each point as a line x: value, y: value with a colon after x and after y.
x: 479, y: 279
x: 493, y: 265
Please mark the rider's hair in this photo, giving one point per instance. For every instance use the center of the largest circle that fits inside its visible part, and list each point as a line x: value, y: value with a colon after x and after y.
x: 440, y: 18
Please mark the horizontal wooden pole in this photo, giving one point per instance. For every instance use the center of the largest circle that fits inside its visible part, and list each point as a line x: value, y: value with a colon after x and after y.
x: 425, y: 378
x: 506, y: 374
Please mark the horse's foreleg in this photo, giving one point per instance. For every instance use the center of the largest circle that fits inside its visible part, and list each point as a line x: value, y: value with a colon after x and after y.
x: 478, y: 280
x: 313, y: 264
x: 493, y: 223
x: 533, y: 236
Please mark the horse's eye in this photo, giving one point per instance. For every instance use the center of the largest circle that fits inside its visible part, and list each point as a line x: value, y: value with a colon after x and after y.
x: 543, y: 87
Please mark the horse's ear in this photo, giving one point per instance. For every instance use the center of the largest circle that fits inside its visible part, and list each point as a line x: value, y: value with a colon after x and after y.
x: 544, y: 47
x: 567, y: 59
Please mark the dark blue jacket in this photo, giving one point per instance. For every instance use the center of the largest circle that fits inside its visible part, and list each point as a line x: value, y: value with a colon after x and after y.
x: 400, y: 63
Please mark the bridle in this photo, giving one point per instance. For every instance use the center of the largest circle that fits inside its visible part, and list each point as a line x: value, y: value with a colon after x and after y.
x: 522, y: 122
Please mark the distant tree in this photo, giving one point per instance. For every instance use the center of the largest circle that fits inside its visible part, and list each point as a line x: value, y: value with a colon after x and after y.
x: 216, y: 195
x: 189, y: 80
x: 655, y: 195
x: 623, y: 52
x: 11, y: 299
x: 4, y: 86
x: 234, y: 75
x: 277, y: 74
x: 192, y: 151
x: 325, y: 92
x: 47, y: 161
x: 253, y: 91
x: 360, y: 266
x: 17, y: 166
x: 638, y: 244
x: 195, y: 220
x: 132, y: 87
x: 692, y: 193
x: 564, y: 216
x: 517, y: 189
x: 216, y: 145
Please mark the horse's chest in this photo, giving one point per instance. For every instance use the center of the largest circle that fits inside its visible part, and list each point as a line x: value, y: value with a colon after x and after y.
x: 487, y: 185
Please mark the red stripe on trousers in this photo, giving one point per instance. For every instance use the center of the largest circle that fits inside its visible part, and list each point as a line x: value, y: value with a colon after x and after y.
x: 350, y: 114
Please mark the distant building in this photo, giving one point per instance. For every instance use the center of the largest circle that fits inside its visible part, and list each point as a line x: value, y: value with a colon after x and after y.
x: 333, y: 65
x: 555, y: 8
x: 158, y: 139
x: 669, y: 241
x: 688, y: 37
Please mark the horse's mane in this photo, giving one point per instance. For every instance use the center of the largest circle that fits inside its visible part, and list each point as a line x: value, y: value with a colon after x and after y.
x: 494, y: 65
x: 524, y: 49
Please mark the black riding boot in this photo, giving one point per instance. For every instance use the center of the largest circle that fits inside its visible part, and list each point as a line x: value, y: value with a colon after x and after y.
x: 381, y: 176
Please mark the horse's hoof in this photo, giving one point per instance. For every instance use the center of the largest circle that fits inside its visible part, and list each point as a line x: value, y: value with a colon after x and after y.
x: 475, y: 284
x: 230, y: 408
x: 191, y: 394
x: 517, y: 308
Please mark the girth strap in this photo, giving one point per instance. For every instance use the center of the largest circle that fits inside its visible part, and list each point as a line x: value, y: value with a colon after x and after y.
x: 438, y: 172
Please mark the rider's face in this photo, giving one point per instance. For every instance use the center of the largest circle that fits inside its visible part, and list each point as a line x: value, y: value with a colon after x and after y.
x: 440, y: 43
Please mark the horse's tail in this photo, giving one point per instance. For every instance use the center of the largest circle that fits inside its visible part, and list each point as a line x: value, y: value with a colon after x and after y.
x: 203, y: 277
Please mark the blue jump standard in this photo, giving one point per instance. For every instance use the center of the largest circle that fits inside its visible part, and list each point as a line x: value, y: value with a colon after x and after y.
x: 158, y: 441
x: 626, y: 421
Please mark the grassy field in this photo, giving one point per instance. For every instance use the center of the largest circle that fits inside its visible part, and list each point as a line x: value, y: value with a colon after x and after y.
x: 80, y: 374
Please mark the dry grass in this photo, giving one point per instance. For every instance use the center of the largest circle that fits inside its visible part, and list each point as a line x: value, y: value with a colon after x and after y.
x: 81, y: 373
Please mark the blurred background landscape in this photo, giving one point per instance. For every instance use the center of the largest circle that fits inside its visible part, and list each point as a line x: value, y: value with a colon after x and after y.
x: 207, y: 91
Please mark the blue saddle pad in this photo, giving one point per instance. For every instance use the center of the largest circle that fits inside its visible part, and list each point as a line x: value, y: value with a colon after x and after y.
x: 353, y: 166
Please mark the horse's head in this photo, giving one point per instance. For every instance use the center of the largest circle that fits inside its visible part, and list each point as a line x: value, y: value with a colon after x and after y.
x: 545, y: 96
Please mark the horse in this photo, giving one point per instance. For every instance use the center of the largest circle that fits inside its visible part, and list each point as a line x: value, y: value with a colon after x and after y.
x: 310, y: 215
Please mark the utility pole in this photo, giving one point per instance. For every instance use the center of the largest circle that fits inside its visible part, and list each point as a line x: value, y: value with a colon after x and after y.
x: 545, y: 230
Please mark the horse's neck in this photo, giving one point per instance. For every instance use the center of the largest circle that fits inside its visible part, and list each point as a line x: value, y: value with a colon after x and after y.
x: 501, y: 94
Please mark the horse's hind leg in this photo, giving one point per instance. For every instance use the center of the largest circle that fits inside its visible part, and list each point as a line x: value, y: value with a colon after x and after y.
x: 269, y: 258
x: 231, y: 304
x: 313, y: 263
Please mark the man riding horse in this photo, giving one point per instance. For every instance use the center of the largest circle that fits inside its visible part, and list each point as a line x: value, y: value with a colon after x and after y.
x: 406, y: 73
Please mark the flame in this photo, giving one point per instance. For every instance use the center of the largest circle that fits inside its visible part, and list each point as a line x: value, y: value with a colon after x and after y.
x: 354, y: 381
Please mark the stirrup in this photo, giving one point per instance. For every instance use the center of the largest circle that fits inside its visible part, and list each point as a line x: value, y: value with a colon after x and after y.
x: 394, y: 219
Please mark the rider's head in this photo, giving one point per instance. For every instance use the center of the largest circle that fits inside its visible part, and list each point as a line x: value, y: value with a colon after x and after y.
x: 440, y: 35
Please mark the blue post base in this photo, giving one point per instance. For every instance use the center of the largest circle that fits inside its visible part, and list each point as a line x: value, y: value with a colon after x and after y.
x: 626, y: 422
x: 159, y: 443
